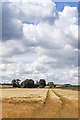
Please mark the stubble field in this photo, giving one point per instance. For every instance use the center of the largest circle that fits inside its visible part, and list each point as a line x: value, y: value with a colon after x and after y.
x: 39, y: 103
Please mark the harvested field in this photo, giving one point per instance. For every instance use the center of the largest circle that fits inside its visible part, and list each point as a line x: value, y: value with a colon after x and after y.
x: 6, y: 86
x: 52, y: 107
x: 21, y: 103
x: 70, y: 104
x: 23, y: 95
x: 68, y: 93
x: 39, y: 103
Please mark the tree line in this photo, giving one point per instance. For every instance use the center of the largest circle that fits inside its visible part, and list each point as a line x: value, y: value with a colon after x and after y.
x: 29, y: 83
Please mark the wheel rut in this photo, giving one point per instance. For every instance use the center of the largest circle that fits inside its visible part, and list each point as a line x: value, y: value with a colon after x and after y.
x: 51, y: 107
x: 62, y: 102
x: 69, y: 107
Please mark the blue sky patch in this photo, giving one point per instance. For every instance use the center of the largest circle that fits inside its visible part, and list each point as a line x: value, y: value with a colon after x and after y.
x: 60, y: 5
x: 27, y: 22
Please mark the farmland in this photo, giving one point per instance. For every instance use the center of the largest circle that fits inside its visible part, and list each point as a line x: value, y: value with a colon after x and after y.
x: 5, y: 86
x: 39, y: 103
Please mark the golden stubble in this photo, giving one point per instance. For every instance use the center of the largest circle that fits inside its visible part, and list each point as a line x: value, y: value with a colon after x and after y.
x: 39, y: 103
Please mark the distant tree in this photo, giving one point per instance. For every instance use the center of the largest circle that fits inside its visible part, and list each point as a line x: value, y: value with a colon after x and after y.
x: 28, y: 83
x: 36, y: 84
x: 54, y: 86
x: 42, y: 83
x: 50, y: 84
x: 16, y: 83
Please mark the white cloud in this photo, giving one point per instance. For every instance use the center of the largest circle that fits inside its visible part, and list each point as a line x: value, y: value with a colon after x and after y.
x: 47, y: 40
x: 36, y: 71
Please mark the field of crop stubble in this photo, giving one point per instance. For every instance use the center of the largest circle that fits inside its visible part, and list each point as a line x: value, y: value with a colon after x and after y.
x: 39, y: 103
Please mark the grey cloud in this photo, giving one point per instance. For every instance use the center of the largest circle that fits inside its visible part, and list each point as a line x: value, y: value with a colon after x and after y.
x: 53, y: 46
x: 13, y: 15
x: 11, y: 25
x: 7, y: 60
x: 14, y: 51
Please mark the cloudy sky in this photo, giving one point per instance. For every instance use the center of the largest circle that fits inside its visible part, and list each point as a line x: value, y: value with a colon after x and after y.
x: 40, y: 40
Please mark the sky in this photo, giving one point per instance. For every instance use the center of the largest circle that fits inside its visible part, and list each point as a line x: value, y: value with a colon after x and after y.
x: 40, y: 40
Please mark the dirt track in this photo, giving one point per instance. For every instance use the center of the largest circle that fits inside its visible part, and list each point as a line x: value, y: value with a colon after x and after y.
x: 59, y: 106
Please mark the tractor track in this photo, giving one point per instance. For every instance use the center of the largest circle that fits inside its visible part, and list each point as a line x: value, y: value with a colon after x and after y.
x: 56, y: 105
x: 62, y: 102
x: 51, y: 106
x: 69, y: 107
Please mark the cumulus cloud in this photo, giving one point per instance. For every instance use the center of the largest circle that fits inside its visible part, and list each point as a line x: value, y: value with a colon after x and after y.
x: 36, y: 71
x: 37, y: 39
x: 11, y: 25
x: 14, y: 14
x: 58, y: 41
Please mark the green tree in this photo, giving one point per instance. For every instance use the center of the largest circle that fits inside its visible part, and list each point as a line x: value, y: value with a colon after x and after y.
x: 28, y: 83
x: 50, y: 84
x: 16, y: 83
x: 42, y: 83
x: 36, y: 84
